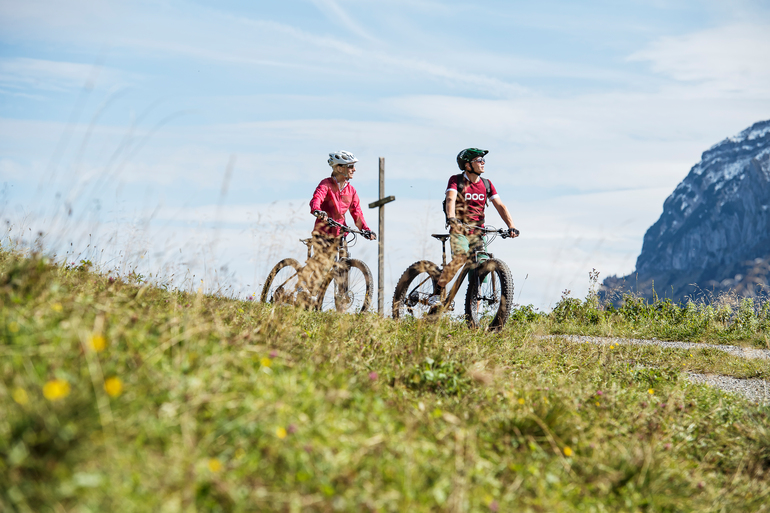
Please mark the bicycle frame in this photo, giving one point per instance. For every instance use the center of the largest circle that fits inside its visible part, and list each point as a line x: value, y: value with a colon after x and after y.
x: 342, y: 249
x: 326, y: 274
x: 466, y: 269
x: 341, y: 254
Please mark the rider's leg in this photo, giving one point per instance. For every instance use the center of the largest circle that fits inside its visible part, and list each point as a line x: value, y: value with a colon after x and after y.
x: 321, y: 260
x: 460, y: 247
x: 460, y: 252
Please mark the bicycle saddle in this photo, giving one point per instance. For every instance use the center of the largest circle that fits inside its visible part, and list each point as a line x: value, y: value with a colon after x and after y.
x: 440, y: 236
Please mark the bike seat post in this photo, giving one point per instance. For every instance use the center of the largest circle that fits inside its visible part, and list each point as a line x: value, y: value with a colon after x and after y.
x: 443, y: 253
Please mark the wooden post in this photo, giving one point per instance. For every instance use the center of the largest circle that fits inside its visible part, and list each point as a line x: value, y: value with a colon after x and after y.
x: 380, y: 203
x: 381, y: 246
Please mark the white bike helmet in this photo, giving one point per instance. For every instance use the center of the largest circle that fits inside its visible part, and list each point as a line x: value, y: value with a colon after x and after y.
x: 341, y: 157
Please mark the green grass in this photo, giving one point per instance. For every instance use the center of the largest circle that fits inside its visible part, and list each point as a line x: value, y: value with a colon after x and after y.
x: 227, y: 405
x: 726, y: 319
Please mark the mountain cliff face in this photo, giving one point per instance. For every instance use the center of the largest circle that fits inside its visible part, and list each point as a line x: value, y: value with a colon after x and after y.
x: 714, y: 233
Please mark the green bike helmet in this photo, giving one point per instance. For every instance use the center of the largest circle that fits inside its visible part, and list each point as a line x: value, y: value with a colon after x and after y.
x: 469, y: 154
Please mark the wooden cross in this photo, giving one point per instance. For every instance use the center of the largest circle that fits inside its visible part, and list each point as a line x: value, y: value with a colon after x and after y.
x: 381, y: 237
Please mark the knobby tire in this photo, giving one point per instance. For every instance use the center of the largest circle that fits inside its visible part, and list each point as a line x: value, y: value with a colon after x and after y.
x: 358, y: 297
x: 268, y: 291
x: 499, y: 286
x: 415, y: 286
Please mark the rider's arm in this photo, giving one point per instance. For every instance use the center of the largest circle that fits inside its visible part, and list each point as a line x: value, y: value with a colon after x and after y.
x: 502, y: 210
x: 358, y: 214
x: 318, y: 196
x: 451, y: 197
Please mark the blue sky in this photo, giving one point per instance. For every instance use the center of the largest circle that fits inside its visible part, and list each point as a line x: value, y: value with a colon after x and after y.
x: 130, y: 113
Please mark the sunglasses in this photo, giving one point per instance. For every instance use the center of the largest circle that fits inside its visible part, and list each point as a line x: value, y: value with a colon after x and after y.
x: 349, y: 166
x: 479, y: 160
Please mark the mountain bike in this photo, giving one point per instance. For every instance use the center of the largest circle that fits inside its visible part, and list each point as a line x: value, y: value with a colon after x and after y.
x: 489, y: 297
x: 345, y: 287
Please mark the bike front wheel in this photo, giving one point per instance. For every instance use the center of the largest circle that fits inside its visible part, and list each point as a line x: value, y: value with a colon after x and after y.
x: 281, y: 283
x: 347, y: 288
x: 414, y: 289
x: 489, y: 298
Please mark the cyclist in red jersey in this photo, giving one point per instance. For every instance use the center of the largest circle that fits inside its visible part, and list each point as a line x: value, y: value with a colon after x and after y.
x: 468, y: 209
x: 333, y: 198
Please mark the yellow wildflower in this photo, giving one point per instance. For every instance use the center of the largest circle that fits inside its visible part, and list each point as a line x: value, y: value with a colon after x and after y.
x: 97, y: 342
x: 567, y: 452
x: 113, y: 386
x: 56, y: 389
x: 521, y: 400
x: 651, y: 391
x: 280, y: 433
x: 57, y: 307
x: 215, y: 465
x: 20, y: 396
x: 266, y: 362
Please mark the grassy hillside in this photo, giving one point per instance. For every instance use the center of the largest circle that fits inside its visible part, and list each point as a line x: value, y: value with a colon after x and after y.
x: 119, y: 396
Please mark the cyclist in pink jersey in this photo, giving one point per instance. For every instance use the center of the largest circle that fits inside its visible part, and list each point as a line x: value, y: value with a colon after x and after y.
x: 467, y: 208
x: 334, y: 197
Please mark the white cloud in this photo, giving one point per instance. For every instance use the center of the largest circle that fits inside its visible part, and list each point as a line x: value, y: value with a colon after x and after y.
x: 339, y: 18
x: 10, y: 170
x: 732, y: 60
x: 25, y: 74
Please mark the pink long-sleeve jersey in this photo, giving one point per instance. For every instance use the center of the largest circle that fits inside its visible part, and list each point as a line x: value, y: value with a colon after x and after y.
x: 336, y: 203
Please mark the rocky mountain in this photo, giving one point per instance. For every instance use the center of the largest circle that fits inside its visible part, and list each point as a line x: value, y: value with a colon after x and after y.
x: 714, y: 233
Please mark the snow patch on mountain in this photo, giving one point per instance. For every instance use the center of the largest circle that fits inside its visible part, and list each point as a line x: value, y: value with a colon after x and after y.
x: 751, y: 133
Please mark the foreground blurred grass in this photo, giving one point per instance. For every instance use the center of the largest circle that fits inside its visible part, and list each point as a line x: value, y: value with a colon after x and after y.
x: 120, y: 396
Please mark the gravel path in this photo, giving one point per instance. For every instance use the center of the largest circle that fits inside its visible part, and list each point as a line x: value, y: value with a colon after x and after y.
x: 756, y: 390
x: 733, y: 350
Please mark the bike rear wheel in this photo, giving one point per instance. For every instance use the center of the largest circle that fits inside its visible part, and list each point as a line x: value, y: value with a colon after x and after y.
x: 489, y: 298
x: 347, y: 288
x: 418, y: 283
x: 281, y: 283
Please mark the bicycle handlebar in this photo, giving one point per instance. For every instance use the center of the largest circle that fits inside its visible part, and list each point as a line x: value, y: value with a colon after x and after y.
x: 502, y: 232
x: 345, y: 228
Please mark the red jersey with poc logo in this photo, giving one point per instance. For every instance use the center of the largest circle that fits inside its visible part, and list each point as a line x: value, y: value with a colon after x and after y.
x: 469, y: 208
